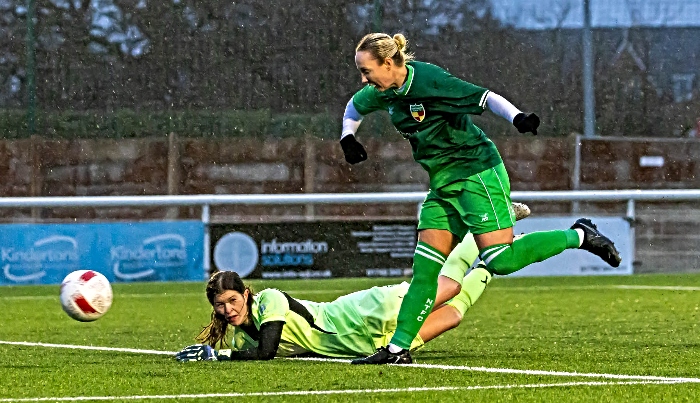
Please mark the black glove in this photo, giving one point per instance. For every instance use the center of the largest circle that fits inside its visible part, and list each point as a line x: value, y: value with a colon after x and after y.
x: 526, y: 122
x: 353, y: 150
x: 197, y: 352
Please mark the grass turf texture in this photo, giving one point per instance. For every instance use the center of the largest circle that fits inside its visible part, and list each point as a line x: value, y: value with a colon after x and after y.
x: 603, y: 325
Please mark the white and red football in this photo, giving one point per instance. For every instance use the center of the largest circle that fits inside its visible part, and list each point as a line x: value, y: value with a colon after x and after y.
x: 86, y: 295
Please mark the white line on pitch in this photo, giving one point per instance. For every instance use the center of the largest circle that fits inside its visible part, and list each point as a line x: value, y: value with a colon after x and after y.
x: 331, y: 392
x: 658, y: 287
x: 528, y: 371
x: 423, y: 366
x: 118, y: 349
x: 597, y: 287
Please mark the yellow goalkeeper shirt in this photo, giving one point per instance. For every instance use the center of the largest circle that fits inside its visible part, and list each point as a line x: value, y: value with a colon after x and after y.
x: 353, y: 325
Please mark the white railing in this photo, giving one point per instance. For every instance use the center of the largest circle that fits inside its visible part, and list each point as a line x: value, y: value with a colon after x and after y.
x: 205, y: 201
x: 335, y: 198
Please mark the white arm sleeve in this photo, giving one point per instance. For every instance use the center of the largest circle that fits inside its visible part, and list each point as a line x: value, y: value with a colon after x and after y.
x: 501, y: 107
x: 351, y: 120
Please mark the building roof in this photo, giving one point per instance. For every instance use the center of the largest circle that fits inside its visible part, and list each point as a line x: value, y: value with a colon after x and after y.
x: 549, y: 14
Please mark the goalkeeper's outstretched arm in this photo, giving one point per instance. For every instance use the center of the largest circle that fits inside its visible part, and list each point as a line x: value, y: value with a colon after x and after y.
x: 268, y: 341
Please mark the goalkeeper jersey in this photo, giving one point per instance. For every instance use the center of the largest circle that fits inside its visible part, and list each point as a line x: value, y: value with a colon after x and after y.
x: 431, y: 110
x: 351, y: 326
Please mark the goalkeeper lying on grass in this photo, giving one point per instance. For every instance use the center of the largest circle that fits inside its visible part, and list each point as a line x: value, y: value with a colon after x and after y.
x: 271, y: 323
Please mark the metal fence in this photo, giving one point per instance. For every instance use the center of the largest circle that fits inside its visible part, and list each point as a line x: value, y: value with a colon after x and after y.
x: 297, y: 56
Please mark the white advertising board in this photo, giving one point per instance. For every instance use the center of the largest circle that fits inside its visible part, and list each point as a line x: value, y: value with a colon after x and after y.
x: 574, y: 262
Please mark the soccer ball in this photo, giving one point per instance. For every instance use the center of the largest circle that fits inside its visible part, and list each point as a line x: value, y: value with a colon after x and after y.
x: 86, y: 295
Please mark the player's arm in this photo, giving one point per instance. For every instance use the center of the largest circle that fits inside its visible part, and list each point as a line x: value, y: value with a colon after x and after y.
x: 353, y: 150
x: 524, y: 122
x: 269, y: 340
x: 473, y: 99
x: 364, y: 102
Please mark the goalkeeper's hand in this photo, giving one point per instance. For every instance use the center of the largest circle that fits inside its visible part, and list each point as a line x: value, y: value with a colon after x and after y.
x: 526, y: 122
x: 353, y: 150
x: 197, y: 352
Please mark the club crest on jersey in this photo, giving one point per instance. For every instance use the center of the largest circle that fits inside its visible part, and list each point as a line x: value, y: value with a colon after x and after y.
x: 418, y: 112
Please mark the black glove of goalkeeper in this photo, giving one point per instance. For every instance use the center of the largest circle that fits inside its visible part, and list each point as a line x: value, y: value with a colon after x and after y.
x: 526, y: 122
x: 353, y: 150
x: 197, y: 352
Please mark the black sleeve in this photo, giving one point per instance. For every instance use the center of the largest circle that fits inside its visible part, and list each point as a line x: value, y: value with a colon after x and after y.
x: 268, y: 341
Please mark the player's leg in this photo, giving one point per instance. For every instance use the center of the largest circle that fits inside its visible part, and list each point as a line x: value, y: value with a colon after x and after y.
x: 448, y: 316
x: 438, y: 221
x: 420, y: 298
x: 384, y: 302
x: 488, y: 211
x: 462, y: 258
x: 443, y: 318
x: 455, y: 268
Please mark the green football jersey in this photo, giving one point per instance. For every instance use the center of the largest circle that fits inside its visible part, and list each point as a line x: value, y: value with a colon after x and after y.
x: 431, y: 110
x: 353, y: 325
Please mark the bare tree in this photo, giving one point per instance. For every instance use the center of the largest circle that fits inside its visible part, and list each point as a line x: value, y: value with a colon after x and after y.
x: 629, y: 95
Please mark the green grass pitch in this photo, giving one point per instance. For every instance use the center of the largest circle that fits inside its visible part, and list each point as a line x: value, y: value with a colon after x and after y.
x: 574, y: 339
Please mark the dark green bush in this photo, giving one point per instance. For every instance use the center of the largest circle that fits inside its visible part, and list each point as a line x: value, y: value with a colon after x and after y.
x: 190, y: 123
x: 126, y: 123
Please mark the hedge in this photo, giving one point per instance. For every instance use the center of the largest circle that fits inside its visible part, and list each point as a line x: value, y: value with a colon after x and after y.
x: 204, y: 123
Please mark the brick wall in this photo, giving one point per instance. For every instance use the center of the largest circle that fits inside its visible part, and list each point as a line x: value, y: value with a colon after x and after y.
x: 171, y: 165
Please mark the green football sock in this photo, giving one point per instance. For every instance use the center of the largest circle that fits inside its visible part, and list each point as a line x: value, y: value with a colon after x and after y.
x: 460, y: 259
x: 420, y: 297
x: 473, y: 286
x: 504, y: 259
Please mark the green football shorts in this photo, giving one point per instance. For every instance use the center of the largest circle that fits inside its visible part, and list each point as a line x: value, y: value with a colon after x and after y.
x: 479, y: 204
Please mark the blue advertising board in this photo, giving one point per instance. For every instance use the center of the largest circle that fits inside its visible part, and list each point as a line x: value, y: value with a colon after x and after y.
x: 123, y: 252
